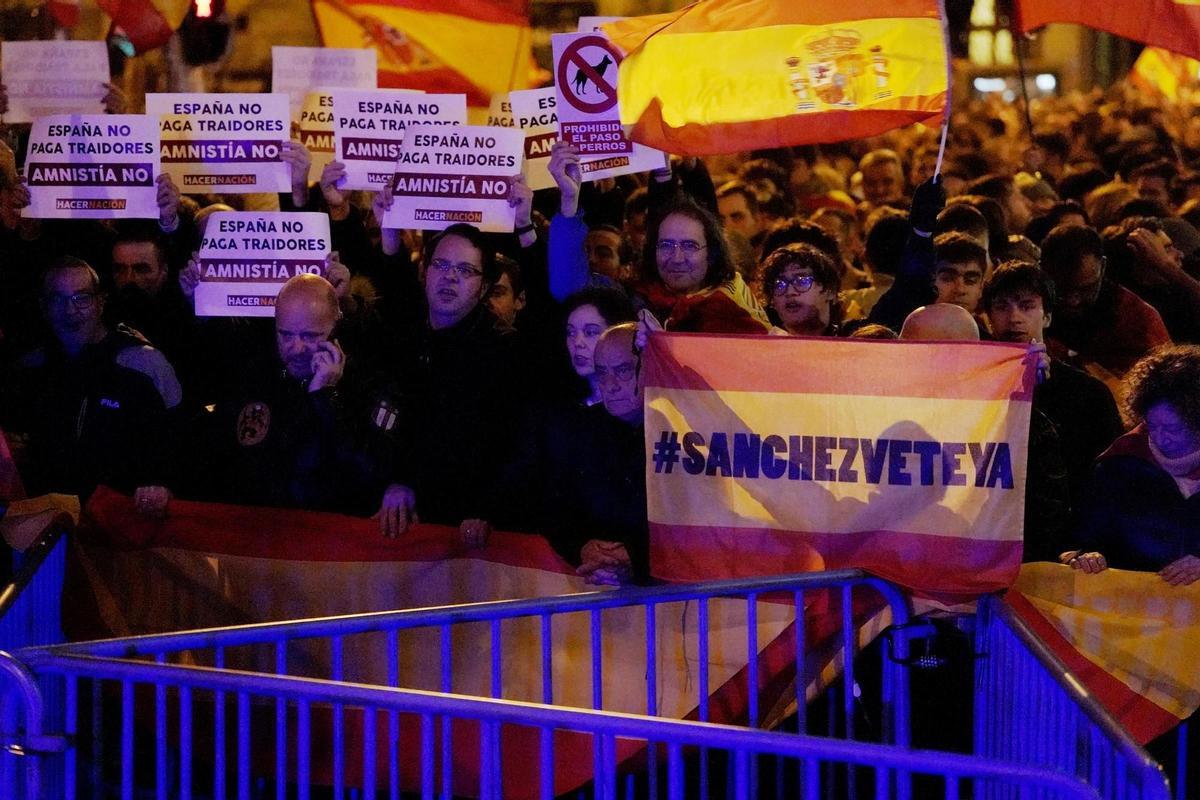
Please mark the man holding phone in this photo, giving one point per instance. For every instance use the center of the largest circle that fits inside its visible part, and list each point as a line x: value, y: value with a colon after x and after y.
x: 287, y: 437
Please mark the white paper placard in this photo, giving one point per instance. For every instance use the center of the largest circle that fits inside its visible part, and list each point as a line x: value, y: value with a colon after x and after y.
x: 227, y: 143
x: 296, y: 71
x: 247, y: 256
x: 92, y: 166
x: 534, y: 112
x: 500, y: 112
x: 585, y: 70
x: 315, y: 129
x: 52, y: 77
x: 456, y: 174
x: 369, y: 126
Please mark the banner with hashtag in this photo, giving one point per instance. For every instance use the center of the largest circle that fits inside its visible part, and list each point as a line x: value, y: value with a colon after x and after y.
x: 904, y: 458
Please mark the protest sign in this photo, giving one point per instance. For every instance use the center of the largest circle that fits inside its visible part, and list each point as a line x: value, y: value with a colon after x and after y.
x: 227, y: 143
x: 369, y: 126
x: 46, y: 78
x: 461, y: 174
x: 535, y: 114
x: 763, y: 448
x: 316, y: 128
x: 500, y: 112
x: 296, y: 71
x: 245, y: 257
x: 585, y: 70
x: 92, y: 166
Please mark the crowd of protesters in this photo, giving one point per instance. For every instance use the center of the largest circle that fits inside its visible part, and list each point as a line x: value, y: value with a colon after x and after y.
x: 481, y: 380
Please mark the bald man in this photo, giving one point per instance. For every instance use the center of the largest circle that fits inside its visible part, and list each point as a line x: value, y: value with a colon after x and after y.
x: 943, y: 322
x: 293, y: 437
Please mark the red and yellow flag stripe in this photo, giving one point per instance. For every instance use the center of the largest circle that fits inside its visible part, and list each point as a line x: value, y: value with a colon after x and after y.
x: 730, y: 75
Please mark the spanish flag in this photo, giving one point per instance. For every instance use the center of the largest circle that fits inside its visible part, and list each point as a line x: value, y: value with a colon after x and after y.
x: 723, y: 76
x: 211, y: 565
x: 1165, y: 72
x: 1171, y: 24
x: 768, y: 454
x: 479, y: 48
x: 1128, y: 637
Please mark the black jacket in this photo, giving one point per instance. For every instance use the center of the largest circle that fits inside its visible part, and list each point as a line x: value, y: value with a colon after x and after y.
x: 97, y: 418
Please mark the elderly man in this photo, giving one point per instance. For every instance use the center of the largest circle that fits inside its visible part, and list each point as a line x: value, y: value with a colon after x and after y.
x: 597, y: 512
x: 94, y: 400
x: 287, y: 435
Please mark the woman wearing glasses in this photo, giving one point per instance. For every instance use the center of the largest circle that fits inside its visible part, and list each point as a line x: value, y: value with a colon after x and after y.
x: 801, y: 286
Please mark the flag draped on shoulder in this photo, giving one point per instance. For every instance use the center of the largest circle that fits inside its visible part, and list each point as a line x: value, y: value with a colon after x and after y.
x: 479, y: 48
x: 778, y: 454
x: 722, y: 76
x: 1171, y: 24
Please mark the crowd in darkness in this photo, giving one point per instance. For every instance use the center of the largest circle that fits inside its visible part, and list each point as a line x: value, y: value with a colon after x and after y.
x: 456, y: 377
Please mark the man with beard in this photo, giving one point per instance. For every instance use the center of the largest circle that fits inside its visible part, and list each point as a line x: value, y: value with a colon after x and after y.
x: 287, y: 436
x: 1018, y: 299
x: 1100, y: 326
x: 146, y: 299
x: 94, y: 401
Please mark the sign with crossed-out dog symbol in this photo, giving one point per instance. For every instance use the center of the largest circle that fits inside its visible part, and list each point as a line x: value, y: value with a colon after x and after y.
x: 586, y: 81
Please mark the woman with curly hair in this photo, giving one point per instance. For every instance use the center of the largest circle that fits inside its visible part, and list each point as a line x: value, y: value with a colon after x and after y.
x: 1143, y: 509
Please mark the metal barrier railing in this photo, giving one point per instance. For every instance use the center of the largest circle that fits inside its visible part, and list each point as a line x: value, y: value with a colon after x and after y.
x: 1030, y: 709
x: 737, y: 751
x: 379, y: 637
x: 30, y: 614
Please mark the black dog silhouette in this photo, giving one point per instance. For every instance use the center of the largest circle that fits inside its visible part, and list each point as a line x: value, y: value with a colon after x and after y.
x: 581, y: 77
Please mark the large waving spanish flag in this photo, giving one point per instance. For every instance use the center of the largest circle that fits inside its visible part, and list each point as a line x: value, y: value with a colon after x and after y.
x: 1130, y: 638
x: 903, y: 458
x: 479, y: 48
x: 722, y: 76
x: 1171, y: 24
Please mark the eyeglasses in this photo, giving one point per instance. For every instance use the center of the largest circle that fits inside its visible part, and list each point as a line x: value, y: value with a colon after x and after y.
x: 462, y: 271
x: 80, y: 301
x: 667, y: 247
x: 801, y: 283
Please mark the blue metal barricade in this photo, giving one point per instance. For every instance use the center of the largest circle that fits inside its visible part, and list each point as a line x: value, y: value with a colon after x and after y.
x: 736, y: 750
x: 30, y: 615
x: 1030, y: 709
x: 288, y: 649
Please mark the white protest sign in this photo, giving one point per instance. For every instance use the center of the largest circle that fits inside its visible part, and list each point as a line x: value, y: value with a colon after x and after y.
x: 296, y: 71
x: 592, y: 24
x: 461, y: 174
x: 92, y: 166
x: 500, y: 112
x: 245, y: 257
x: 534, y: 111
x: 46, y: 78
x: 228, y: 143
x: 315, y: 130
x: 369, y: 126
x: 585, y: 70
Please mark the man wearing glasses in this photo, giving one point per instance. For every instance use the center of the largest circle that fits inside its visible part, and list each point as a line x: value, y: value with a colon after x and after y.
x: 94, y: 401
x: 457, y: 388
x: 1099, y: 325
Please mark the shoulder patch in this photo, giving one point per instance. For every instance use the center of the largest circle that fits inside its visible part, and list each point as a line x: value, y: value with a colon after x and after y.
x: 253, y: 424
x: 384, y: 415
